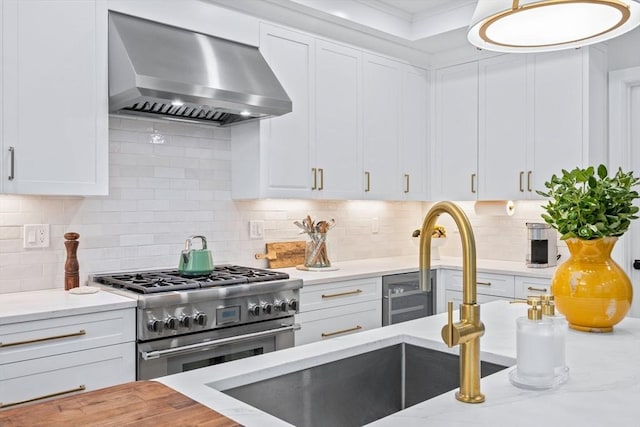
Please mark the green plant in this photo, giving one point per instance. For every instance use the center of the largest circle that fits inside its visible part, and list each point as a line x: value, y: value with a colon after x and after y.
x: 590, y: 205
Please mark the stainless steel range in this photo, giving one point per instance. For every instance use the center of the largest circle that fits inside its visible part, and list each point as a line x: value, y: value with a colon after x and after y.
x: 185, y: 323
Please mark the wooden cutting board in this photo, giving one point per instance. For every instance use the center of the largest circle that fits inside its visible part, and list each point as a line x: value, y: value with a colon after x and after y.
x: 134, y: 404
x: 284, y: 254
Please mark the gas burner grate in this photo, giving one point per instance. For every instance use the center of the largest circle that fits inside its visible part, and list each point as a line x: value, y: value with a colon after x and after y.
x: 156, y: 281
x: 148, y: 282
x: 251, y: 274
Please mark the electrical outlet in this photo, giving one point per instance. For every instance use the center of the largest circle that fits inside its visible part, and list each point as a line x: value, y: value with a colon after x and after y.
x: 375, y: 225
x: 256, y: 229
x: 36, y: 236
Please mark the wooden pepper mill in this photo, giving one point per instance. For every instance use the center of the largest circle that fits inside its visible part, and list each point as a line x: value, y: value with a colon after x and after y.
x: 71, y: 266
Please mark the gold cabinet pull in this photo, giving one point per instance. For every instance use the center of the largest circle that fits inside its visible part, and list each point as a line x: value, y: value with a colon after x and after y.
x: 315, y: 179
x: 343, y: 331
x: 321, y: 186
x: 531, y: 288
x: 341, y: 294
x: 473, y: 183
x: 55, y: 337
x: 521, y: 176
x: 367, y: 185
x: 529, y: 181
x: 484, y: 283
x: 46, y: 396
x: 406, y: 182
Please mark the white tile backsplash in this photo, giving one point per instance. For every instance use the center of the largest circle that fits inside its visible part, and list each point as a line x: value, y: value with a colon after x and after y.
x: 162, y: 193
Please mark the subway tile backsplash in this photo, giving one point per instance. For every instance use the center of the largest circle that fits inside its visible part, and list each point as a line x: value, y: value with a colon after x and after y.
x: 160, y: 194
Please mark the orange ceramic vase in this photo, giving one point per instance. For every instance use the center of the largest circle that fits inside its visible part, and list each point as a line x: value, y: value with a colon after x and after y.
x: 589, y: 288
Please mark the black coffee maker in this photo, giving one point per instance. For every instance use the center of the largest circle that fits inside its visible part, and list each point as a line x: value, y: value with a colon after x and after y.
x: 542, y: 245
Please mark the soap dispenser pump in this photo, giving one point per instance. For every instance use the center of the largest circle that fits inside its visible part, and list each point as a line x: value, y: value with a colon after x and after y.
x: 560, y: 327
x: 534, y: 349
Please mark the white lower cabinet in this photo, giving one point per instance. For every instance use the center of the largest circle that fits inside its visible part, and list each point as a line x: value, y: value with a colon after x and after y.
x: 63, y: 374
x: 526, y: 286
x: 324, y: 324
x: 64, y: 355
x: 456, y: 297
x: 339, y: 308
x: 490, y: 287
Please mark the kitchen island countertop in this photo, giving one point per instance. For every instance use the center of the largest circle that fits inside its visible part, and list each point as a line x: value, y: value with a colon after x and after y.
x: 359, y: 269
x: 604, y: 383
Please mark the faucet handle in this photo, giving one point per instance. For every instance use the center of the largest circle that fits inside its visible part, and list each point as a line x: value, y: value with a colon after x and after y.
x: 448, y: 329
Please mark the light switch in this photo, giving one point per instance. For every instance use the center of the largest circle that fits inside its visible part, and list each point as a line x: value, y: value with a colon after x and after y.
x: 36, y: 236
x: 256, y: 229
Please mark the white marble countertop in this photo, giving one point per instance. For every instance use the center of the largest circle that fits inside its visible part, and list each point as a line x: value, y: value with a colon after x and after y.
x: 360, y: 269
x: 603, y: 388
x: 36, y: 305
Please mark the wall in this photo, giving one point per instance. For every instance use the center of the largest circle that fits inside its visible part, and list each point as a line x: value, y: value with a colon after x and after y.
x: 497, y: 237
x: 623, y: 51
x: 162, y: 193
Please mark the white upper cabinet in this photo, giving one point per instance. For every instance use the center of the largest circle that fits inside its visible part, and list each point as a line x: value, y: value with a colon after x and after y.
x: 275, y: 160
x: 381, y: 110
x: 504, y: 126
x: 455, y: 163
x: 338, y: 123
x: 314, y: 151
x: 570, y: 112
x: 536, y: 115
x: 414, y: 148
x: 54, y: 101
x: 531, y: 121
x: 356, y: 118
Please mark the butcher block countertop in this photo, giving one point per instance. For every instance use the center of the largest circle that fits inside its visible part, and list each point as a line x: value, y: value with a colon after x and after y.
x: 140, y: 403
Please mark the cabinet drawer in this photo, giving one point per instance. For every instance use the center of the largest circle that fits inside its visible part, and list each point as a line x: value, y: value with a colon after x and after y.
x: 526, y: 286
x: 488, y: 284
x: 456, y: 297
x: 67, y: 373
x: 335, y: 294
x: 338, y: 321
x: 42, y: 338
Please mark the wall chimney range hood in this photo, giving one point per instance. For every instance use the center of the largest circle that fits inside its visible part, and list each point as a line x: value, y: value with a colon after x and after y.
x: 164, y: 72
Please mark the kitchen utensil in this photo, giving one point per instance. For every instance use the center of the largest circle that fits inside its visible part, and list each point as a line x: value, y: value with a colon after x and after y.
x: 195, y: 262
x: 283, y: 254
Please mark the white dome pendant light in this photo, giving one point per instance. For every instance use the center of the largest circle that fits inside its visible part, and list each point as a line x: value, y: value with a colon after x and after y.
x: 540, y: 26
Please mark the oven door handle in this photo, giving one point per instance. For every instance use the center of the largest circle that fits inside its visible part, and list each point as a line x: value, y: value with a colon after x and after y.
x: 148, y: 355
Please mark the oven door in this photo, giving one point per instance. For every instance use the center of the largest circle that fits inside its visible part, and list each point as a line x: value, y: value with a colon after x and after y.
x: 183, y: 353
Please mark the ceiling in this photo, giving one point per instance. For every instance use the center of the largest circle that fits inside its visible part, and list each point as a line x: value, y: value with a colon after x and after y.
x: 424, y: 26
x: 418, y: 7
x: 412, y: 22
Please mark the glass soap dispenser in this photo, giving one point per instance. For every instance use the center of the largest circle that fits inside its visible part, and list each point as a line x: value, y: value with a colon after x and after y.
x: 534, y: 349
x: 560, y: 327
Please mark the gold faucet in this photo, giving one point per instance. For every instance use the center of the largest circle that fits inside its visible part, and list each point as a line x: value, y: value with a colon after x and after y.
x: 469, y: 329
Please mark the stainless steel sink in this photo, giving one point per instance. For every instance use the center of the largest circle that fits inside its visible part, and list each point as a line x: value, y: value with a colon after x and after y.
x: 357, y: 390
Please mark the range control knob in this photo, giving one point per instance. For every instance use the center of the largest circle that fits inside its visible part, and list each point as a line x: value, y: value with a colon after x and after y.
x: 186, y: 321
x: 281, y: 305
x: 254, y: 309
x: 201, y: 318
x: 293, y: 304
x: 267, y: 308
x: 155, y: 325
x: 171, y: 323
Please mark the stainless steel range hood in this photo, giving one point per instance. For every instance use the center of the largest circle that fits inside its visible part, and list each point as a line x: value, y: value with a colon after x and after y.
x: 166, y: 72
